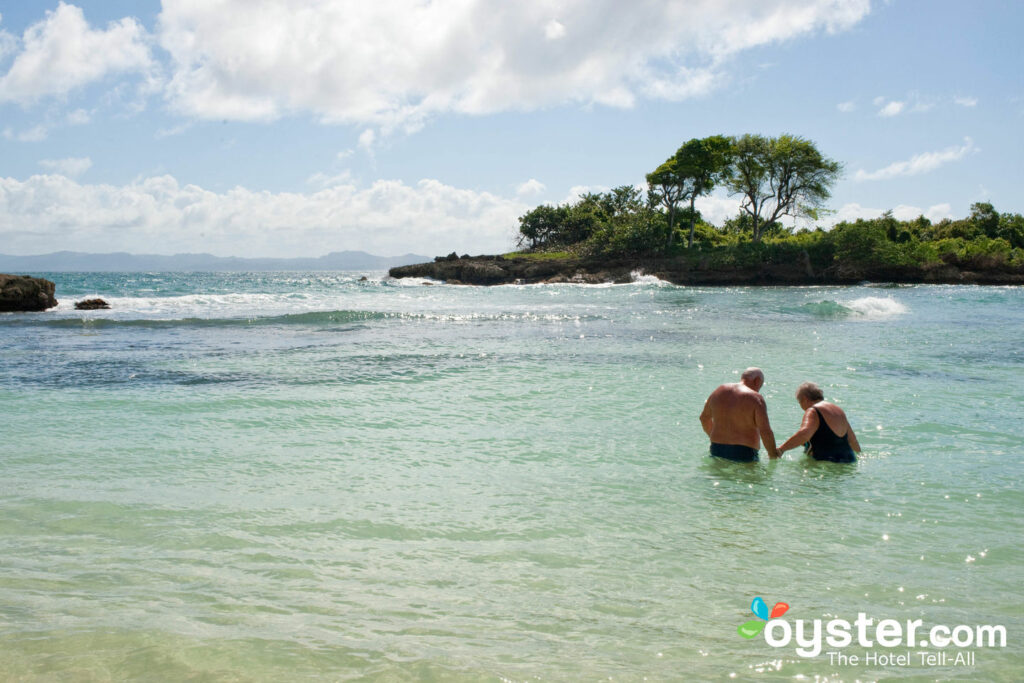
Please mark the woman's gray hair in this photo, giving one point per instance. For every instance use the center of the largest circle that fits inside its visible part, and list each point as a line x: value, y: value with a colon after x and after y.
x: 810, y: 391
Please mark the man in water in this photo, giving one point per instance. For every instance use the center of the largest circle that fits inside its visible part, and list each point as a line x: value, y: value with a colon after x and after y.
x: 736, y: 419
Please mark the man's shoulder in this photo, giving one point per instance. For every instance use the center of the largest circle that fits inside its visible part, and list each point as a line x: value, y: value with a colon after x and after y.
x: 750, y: 395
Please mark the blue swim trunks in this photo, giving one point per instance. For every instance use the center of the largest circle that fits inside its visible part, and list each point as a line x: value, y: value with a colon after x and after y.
x: 734, y: 452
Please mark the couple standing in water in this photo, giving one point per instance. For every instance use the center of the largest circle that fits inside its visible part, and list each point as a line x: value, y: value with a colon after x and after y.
x: 735, y: 418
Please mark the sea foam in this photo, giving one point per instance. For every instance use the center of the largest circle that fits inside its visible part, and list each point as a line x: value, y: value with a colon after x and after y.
x: 876, y: 308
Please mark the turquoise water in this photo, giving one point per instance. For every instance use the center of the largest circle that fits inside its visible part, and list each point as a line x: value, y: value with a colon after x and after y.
x: 307, y: 477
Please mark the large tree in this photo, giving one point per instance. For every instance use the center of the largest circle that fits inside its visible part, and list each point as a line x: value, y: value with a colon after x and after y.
x: 691, y: 172
x: 703, y: 162
x: 667, y: 187
x: 783, y: 176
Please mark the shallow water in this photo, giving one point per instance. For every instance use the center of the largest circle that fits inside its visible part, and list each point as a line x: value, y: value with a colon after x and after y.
x: 305, y: 476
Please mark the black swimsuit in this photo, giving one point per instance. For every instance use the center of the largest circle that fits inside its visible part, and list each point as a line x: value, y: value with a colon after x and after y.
x: 826, y: 445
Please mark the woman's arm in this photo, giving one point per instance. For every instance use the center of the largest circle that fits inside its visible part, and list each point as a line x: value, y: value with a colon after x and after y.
x: 807, y: 428
x: 854, y: 444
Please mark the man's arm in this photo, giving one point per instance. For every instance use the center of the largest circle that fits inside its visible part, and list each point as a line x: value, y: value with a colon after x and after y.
x: 706, y: 421
x: 764, y: 428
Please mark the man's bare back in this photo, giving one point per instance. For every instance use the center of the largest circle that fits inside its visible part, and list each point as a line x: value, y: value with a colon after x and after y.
x: 736, y: 415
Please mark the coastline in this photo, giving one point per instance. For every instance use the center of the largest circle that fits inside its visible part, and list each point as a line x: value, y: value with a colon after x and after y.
x: 489, y: 270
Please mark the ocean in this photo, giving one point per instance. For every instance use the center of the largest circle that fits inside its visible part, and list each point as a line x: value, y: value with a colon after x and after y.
x: 315, y: 476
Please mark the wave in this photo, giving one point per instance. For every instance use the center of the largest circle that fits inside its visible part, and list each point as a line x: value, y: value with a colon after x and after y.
x: 826, y: 309
x: 640, y: 278
x: 864, y: 308
x: 327, y: 318
x: 877, y: 308
x: 90, y: 320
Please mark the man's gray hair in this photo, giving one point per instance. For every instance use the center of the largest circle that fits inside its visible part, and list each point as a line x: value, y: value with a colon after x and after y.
x: 810, y: 391
x: 751, y: 374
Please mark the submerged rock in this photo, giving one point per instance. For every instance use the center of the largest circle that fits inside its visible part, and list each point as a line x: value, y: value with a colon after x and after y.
x: 91, y: 305
x: 25, y: 293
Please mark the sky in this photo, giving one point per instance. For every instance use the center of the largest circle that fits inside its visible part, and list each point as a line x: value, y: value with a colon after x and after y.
x: 290, y: 128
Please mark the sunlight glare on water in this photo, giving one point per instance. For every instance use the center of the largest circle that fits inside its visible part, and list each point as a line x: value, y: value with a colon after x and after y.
x: 305, y: 475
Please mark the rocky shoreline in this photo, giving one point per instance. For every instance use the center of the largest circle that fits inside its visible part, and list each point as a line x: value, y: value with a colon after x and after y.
x: 503, y: 270
x: 25, y: 293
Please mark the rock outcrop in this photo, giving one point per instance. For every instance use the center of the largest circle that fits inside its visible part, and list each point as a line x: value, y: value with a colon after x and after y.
x: 499, y: 270
x: 25, y: 293
x: 91, y: 305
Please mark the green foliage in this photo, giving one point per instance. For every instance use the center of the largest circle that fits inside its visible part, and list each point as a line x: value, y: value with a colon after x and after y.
x: 693, y: 171
x: 783, y: 176
x: 859, y: 242
x: 542, y: 226
x: 776, y: 177
x: 539, y: 255
x: 637, y: 234
x: 1011, y: 229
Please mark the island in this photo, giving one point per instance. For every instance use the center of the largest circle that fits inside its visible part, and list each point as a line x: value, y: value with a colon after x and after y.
x: 618, y: 235
x: 524, y: 269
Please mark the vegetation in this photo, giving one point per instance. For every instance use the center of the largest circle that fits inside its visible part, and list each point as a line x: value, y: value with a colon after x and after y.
x: 783, y: 176
x: 775, y: 177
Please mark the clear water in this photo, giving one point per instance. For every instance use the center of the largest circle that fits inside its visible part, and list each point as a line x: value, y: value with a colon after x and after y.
x: 307, y: 477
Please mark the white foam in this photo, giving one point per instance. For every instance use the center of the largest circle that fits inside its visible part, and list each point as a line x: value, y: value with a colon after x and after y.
x: 639, y: 278
x: 211, y: 305
x: 876, y: 308
x: 412, y: 281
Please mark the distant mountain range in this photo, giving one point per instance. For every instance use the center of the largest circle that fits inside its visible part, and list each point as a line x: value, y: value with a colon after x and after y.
x: 78, y: 261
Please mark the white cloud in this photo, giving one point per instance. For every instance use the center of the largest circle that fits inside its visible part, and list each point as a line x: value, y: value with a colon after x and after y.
x: 891, y: 109
x: 846, y: 107
x: 323, y: 180
x: 34, y: 134
x: 934, y: 213
x: 72, y: 167
x: 577, y: 191
x: 554, y: 30
x: 903, y: 212
x: 8, y: 43
x: 160, y: 215
x: 392, y: 64
x: 62, y: 53
x: 851, y: 212
x: 966, y: 101
x: 920, y: 163
x: 530, y: 187
x: 913, y: 102
x: 366, y: 139
x: 162, y: 133
x: 78, y: 117
x: 716, y: 209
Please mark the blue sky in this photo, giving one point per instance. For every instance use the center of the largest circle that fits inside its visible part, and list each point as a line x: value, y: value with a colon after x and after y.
x: 278, y: 128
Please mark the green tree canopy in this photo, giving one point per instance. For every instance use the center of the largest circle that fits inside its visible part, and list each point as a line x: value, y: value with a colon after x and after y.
x: 694, y: 170
x: 783, y: 176
x: 667, y: 187
x: 704, y: 162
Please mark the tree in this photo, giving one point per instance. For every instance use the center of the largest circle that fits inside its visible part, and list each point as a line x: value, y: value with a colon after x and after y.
x: 783, y: 176
x: 542, y: 226
x: 1011, y: 229
x: 667, y: 187
x: 703, y: 163
x: 692, y: 171
x: 985, y: 218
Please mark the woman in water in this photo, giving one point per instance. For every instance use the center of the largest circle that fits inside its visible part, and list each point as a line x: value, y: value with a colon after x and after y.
x: 825, y: 431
